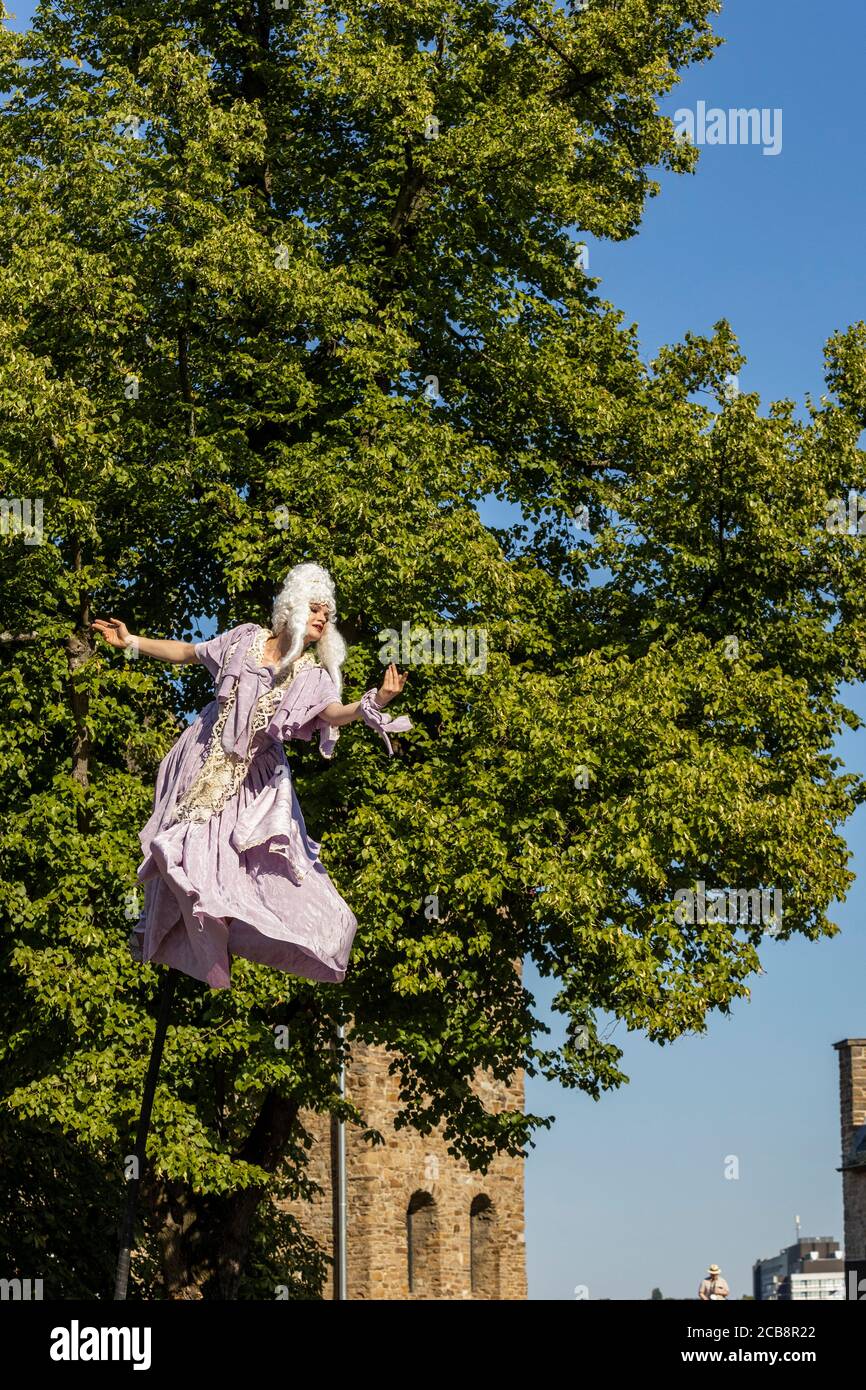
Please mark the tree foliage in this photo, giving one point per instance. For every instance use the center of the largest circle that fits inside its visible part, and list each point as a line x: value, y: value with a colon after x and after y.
x: 239, y: 245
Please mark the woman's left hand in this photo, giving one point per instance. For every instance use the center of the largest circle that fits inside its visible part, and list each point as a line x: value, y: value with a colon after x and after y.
x: 391, y: 686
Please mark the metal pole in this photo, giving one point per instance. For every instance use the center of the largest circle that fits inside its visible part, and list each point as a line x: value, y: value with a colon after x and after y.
x: 342, y: 1203
x: 166, y: 991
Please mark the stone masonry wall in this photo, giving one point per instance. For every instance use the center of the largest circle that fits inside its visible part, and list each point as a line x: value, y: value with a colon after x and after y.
x: 460, y: 1222
x: 852, y: 1098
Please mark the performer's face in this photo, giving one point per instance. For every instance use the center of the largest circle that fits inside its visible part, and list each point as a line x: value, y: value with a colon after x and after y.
x: 317, y: 621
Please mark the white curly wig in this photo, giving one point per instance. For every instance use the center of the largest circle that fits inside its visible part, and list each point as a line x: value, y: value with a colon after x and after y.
x: 303, y: 585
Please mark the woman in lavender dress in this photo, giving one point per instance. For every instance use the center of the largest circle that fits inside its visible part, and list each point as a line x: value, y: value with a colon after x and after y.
x: 229, y: 869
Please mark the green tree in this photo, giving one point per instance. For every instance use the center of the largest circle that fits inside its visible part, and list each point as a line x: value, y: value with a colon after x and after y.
x: 296, y: 283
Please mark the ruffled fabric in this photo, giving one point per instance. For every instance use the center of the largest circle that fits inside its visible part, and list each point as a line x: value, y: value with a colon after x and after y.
x: 376, y: 718
x: 207, y: 900
x: 273, y: 818
x: 247, y: 695
x: 246, y: 684
x: 299, y: 715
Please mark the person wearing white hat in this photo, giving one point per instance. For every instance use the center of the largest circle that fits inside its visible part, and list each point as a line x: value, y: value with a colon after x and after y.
x: 713, y: 1286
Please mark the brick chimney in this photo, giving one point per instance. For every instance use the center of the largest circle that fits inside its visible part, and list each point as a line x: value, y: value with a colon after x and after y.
x: 852, y: 1101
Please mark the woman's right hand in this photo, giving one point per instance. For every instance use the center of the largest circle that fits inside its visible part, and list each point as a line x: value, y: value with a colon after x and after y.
x: 115, y: 633
x: 391, y: 687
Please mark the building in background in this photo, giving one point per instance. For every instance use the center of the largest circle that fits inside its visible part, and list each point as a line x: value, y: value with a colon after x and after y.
x: 419, y: 1223
x: 852, y: 1103
x: 808, y: 1269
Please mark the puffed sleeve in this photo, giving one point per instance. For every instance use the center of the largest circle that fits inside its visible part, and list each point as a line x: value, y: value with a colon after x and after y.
x: 211, y: 653
x: 299, y: 714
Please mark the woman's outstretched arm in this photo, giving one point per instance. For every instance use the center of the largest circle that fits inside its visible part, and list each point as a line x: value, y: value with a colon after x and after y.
x: 116, y: 634
x: 391, y: 687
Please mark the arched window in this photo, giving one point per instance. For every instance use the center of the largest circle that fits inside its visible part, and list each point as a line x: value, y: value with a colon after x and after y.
x: 483, y: 1249
x: 422, y: 1241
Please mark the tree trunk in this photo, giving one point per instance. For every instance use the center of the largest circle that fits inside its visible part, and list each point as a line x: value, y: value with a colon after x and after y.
x: 203, y: 1240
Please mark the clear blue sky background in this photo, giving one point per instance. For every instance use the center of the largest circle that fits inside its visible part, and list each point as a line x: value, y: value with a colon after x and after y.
x: 630, y: 1192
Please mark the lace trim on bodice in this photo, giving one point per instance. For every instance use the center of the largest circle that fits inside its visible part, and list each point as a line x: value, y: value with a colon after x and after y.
x: 222, y: 773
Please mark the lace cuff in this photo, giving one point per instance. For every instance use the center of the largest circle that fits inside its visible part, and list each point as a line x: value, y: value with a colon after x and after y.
x: 376, y: 718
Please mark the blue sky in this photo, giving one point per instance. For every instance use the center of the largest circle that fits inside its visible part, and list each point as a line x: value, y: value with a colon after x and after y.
x: 630, y: 1192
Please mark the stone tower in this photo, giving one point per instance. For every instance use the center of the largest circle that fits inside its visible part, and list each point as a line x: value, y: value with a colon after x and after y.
x: 420, y: 1224
x: 852, y: 1097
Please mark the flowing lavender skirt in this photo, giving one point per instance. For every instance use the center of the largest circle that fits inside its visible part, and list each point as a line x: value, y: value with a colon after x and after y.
x: 207, y: 900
